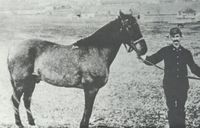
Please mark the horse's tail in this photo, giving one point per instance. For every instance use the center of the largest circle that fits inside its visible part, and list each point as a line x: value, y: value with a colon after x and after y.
x: 12, y: 81
x: 10, y: 69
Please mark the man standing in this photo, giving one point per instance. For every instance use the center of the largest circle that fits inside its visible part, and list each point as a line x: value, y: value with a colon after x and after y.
x: 175, y: 82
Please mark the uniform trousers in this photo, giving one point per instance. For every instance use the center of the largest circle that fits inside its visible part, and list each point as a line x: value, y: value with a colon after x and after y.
x: 176, y: 96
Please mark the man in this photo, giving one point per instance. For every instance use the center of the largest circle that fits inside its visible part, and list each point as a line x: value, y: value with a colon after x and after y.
x: 175, y: 82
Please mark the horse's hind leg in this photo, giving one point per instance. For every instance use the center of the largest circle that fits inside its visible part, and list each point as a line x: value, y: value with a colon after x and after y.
x: 15, y: 98
x: 28, y: 91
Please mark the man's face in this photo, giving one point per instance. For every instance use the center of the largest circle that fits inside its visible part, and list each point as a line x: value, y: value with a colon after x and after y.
x: 176, y: 39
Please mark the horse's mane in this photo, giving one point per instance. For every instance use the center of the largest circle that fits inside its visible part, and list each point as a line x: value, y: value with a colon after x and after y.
x: 101, y: 37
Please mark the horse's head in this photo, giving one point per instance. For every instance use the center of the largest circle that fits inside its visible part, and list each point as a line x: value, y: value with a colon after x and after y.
x: 131, y: 34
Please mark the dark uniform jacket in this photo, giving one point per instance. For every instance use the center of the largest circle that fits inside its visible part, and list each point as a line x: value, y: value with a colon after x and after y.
x: 175, y: 61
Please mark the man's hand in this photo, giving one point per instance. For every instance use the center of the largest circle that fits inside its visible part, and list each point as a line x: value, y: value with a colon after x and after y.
x: 143, y: 57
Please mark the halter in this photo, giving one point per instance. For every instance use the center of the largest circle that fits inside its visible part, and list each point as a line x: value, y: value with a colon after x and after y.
x: 133, y: 44
x: 133, y: 47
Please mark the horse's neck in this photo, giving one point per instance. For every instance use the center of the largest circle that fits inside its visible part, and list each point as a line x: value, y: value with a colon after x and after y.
x: 109, y: 53
x: 112, y: 43
x: 107, y: 40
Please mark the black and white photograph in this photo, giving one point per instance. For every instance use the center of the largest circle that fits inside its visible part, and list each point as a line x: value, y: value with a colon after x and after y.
x: 99, y: 63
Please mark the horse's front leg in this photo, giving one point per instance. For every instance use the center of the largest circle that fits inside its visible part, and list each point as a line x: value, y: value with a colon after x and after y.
x: 90, y: 95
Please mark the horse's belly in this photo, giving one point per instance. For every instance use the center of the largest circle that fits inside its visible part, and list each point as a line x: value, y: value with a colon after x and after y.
x: 59, y: 74
x: 63, y: 80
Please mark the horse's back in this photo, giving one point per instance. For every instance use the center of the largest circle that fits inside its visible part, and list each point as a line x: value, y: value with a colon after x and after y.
x: 29, y: 47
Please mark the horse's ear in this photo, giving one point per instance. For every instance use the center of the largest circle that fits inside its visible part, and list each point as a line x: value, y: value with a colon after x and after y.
x: 138, y: 16
x: 121, y: 14
x: 131, y: 12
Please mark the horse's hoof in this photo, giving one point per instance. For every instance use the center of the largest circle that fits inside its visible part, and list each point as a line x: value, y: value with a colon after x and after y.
x: 84, y: 126
x: 32, y: 123
x: 32, y: 126
x: 19, y: 126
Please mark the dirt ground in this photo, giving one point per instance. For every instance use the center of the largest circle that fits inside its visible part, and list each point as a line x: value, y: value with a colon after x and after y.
x: 133, y: 96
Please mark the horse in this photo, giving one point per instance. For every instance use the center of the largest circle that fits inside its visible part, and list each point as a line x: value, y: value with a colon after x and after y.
x: 84, y: 64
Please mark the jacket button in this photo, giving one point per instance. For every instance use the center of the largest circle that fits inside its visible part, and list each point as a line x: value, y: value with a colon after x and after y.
x: 177, y: 56
x: 177, y: 76
x: 177, y: 63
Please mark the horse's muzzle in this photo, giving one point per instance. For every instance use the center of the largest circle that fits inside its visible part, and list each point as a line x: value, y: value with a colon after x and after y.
x: 140, y: 47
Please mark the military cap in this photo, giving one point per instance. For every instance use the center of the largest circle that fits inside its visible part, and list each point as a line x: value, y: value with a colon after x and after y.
x: 174, y: 31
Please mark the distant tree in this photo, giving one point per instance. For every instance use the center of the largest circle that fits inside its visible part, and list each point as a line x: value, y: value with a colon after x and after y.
x: 189, y: 11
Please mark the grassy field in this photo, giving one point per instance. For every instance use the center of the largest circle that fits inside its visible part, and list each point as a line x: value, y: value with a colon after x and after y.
x: 133, y: 96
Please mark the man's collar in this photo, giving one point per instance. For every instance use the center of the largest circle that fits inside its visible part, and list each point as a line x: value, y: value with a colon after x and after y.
x: 176, y: 48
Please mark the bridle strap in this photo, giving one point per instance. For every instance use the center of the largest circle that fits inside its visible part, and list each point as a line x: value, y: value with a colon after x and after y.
x: 134, y: 45
x: 125, y: 47
x: 138, y: 40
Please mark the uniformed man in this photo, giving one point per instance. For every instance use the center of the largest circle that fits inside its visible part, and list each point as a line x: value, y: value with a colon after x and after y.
x: 175, y: 82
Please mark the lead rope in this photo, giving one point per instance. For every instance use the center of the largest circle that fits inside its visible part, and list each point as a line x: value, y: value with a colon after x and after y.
x: 189, y: 77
